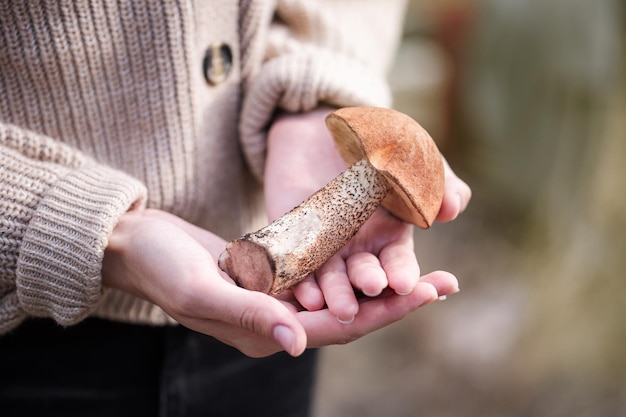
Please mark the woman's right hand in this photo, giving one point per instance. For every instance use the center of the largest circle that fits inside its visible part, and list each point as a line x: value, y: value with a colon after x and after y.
x: 171, y: 263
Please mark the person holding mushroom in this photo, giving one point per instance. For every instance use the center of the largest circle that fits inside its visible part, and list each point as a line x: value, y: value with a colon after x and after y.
x: 136, y: 139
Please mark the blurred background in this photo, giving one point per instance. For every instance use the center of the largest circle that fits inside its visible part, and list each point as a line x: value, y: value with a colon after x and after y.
x: 527, y: 100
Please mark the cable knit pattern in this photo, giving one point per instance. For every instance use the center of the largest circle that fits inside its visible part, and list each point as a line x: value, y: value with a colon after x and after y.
x: 104, y: 108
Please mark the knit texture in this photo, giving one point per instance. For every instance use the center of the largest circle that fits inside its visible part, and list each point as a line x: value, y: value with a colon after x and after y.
x: 332, y: 52
x: 58, y: 208
x: 104, y: 108
x: 278, y: 85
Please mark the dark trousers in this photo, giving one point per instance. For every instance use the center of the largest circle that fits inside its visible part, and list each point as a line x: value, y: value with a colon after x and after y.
x: 102, y: 368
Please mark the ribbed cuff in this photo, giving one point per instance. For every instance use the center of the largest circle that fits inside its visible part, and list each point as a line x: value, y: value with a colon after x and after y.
x: 60, y: 261
x: 11, y: 314
x: 298, y: 83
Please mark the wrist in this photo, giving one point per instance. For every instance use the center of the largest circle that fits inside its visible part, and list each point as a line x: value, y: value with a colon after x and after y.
x: 114, y: 261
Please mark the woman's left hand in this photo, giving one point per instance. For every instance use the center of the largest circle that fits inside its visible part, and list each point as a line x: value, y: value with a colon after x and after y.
x: 380, y: 258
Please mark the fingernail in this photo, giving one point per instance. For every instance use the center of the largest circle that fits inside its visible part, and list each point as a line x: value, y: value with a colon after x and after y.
x: 404, y: 292
x: 445, y: 296
x: 371, y: 294
x: 350, y: 320
x: 285, y: 337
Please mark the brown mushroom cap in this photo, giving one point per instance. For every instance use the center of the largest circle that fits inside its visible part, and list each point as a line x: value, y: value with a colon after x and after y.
x: 400, y: 149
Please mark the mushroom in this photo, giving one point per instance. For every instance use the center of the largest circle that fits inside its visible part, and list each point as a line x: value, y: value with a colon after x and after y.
x: 393, y: 161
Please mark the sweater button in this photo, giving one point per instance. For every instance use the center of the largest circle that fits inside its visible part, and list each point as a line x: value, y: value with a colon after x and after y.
x: 218, y: 61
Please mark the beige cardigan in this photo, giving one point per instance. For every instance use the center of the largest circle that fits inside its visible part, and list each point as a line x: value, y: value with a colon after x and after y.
x: 106, y: 106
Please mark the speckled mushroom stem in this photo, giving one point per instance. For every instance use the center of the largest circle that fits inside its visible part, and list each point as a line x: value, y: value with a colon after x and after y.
x: 283, y: 253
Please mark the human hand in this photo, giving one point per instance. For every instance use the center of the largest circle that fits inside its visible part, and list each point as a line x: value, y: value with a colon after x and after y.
x: 161, y: 258
x: 302, y: 158
x: 171, y: 263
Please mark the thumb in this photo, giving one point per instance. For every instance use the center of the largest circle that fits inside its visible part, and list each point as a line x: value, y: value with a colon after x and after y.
x: 266, y: 316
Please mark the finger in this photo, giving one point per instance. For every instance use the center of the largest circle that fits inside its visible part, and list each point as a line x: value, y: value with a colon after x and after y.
x: 309, y: 294
x: 262, y: 315
x: 456, y: 196
x: 366, y: 273
x: 444, y: 282
x: 374, y: 314
x: 338, y: 292
x: 247, y: 342
x: 400, y: 264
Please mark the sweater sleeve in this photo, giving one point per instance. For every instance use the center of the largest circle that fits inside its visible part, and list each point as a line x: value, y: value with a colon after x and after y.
x: 335, y: 52
x: 57, y: 209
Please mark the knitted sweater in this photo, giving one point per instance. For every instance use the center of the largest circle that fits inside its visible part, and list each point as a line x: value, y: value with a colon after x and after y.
x: 109, y: 106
